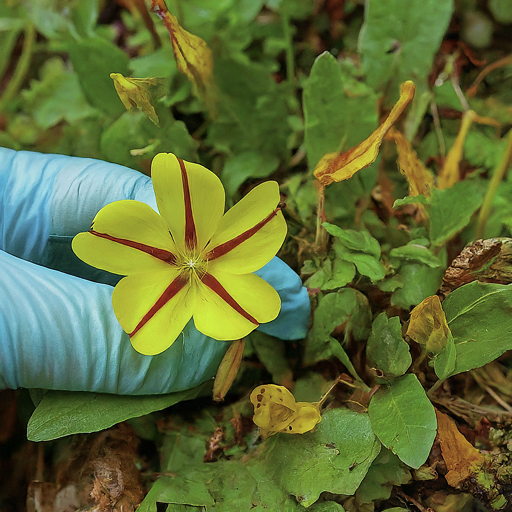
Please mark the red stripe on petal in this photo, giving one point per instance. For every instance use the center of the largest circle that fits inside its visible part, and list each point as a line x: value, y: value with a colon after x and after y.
x: 190, y: 227
x: 224, y: 248
x: 160, y: 254
x: 215, y: 286
x: 172, y: 290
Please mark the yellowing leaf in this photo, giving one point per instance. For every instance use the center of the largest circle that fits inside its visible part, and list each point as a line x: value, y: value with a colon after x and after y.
x: 449, y: 174
x: 275, y: 410
x: 139, y: 93
x: 462, y: 459
x: 228, y: 369
x: 192, y: 54
x: 428, y: 326
x: 342, y: 166
x: 420, y: 179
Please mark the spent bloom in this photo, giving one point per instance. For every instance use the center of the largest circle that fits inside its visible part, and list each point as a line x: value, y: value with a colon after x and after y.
x: 190, y: 261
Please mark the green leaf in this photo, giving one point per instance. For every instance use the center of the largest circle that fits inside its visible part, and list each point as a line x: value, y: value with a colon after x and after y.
x: 386, y: 471
x: 478, y: 315
x: 444, y: 362
x: 419, y: 282
x: 398, y: 44
x: 386, y: 349
x: 178, y: 490
x: 133, y: 130
x: 342, y: 273
x: 334, y: 458
x: 419, y: 199
x: 353, y: 240
x: 359, y: 248
x: 248, y: 164
x: 501, y: 10
x: 366, y: 264
x: 416, y: 252
x: 62, y: 413
x: 272, y: 353
x: 57, y: 96
x: 404, y: 420
x: 93, y: 60
x: 451, y: 209
x: 337, y: 110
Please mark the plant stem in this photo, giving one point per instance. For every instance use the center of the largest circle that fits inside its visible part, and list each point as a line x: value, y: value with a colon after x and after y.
x: 290, y: 56
x: 434, y: 388
x: 499, y: 172
x: 21, y: 68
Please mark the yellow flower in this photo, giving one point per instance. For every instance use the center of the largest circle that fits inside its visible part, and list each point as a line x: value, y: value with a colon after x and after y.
x: 192, y: 260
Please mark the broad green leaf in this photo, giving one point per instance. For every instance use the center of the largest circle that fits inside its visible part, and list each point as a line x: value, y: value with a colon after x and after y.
x: 334, y: 458
x: 178, y: 490
x: 338, y: 111
x: 419, y: 199
x: 478, y: 315
x: 501, y: 10
x: 366, y: 264
x: 326, y: 506
x: 93, y: 60
x: 416, y: 252
x: 386, y: 471
x: 248, y: 164
x: 335, y: 309
x: 353, y: 240
x: 404, y: 419
x: 398, y: 44
x: 451, y: 209
x: 444, y: 362
x: 332, y: 275
x: 419, y: 281
x: 62, y: 413
x: 342, y: 273
x: 272, y: 353
x: 252, y: 110
x: 386, y: 349
x: 133, y: 130
x: 57, y: 96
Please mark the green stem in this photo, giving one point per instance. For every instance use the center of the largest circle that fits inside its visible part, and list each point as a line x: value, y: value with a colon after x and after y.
x: 434, y: 388
x: 290, y: 56
x: 485, y: 211
x: 22, y: 67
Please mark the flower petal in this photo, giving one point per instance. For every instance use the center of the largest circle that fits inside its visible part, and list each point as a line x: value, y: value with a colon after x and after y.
x: 153, y: 308
x: 250, y: 233
x: 230, y: 306
x: 126, y: 237
x: 189, y: 197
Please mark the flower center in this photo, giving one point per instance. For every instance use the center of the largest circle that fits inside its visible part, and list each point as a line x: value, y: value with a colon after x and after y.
x: 192, y: 264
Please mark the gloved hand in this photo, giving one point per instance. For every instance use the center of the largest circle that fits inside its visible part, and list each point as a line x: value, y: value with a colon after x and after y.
x: 57, y: 326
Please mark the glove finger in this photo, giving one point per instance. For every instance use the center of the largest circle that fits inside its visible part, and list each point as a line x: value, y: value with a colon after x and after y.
x: 59, y: 332
x: 55, y: 197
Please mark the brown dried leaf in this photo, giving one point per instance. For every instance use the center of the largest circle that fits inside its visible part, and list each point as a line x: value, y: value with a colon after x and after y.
x: 487, y: 261
x: 419, y: 178
x: 462, y: 459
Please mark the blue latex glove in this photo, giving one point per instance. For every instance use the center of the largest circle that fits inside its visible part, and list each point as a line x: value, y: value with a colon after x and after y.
x: 57, y: 326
